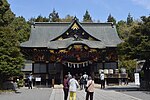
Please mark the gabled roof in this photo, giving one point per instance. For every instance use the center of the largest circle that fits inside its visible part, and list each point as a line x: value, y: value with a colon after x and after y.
x: 42, y: 34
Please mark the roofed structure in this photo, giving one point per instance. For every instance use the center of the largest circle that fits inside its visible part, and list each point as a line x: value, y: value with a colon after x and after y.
x: 56, y: 48
x: 43, y: 34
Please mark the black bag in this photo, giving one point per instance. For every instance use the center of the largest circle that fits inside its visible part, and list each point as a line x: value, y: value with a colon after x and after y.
x: 86, y: 89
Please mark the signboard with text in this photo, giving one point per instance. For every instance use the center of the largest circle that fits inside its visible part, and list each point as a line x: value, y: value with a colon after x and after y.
x: 38, y: 79
x: 137, y: 78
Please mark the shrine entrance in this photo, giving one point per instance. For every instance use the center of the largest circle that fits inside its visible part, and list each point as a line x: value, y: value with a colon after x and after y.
x: 78, y: 59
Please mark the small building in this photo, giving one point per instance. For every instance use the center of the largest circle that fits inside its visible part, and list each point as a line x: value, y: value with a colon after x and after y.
x: 56, y: 48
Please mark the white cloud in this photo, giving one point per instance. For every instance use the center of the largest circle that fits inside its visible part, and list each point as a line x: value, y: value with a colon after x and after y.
x: 144, y: 3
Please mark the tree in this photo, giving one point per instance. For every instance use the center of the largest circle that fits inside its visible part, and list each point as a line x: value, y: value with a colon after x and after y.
x: 41, y: 19
x: 54, y: 17
x: 6, y: 15
x: 137, y: 44
x: 129, y: 19
x: 21, y: 28
x: 68, y: 18
x: 11, y: 59
x: 124, y: 30
x: 111, y: 19
x: 87, y: 17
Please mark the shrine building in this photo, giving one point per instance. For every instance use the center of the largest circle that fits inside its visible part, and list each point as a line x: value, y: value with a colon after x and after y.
x: 56, y: 48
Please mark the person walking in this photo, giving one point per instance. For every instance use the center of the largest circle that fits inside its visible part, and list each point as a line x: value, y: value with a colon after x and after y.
x: 30, y: 81
x: 90, y: 88
x: 85, y: 76
x: 73, y: 85
x: 69, y: 75
x: 81, y: 82
x: 65, y: 87
x: 102, y: 78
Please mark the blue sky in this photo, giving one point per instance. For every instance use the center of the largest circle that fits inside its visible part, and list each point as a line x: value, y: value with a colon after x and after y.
x: 98, y: 9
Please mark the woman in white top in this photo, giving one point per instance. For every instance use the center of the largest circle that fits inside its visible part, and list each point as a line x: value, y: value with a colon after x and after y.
x: 90, y: 90
x: 73, y: 85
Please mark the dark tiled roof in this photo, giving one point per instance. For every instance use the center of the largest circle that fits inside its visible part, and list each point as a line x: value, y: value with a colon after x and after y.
x: 42, y: 34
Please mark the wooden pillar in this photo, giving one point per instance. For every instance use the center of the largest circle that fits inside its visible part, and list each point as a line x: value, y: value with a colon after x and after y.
x: 91, y: 69
x: 61, y: 74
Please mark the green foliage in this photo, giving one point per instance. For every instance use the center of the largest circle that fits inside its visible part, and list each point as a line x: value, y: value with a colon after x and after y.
x: 111, y: 19
x: 87, y: 17
x: 20, y: 83
x: 54, y: 17
x: 136, y: 43
x: 41, y: 19
x: 21, y: 28
x: 13, y: 30
x: 68, y: 18
x: 11, y: 60
x: 6, y: 15
x: 130, y: 66
x: 129, y: 19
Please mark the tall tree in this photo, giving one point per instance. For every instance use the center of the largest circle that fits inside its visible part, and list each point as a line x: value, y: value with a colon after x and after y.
x: 129, y: 19
x: 54, y: 16
x: 6, y: 15
x: 87, y: 17
x: 137, y: 44
x: 111, y: 19
x: 11, y: 59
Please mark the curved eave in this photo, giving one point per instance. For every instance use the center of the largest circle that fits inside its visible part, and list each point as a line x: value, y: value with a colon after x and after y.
x: 61, y: 44
x: 30, y: 44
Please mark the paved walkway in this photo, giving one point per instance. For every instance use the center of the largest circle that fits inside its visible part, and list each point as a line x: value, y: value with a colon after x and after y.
x: 57, y: 94
x: 129, y: 92
x: 27, y: 94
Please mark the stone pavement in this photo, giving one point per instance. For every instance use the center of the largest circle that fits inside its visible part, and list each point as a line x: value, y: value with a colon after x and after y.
x: 129, y: 92
x: 57, y: 94
x: 27, y: 94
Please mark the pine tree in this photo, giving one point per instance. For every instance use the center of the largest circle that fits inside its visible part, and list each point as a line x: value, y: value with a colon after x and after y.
x: 54, y: 16
x: 87, y: 17
x: 111, y: 19
x: 129, y: 19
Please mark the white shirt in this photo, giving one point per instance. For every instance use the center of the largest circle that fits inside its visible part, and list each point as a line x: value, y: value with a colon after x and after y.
x: 102, y: 76
x: 30, y: 78
x: 85, y: 76
x: 73, y: 84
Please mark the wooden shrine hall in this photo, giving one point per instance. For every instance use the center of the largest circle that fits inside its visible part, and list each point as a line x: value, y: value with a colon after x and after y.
x: 56, y: 48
